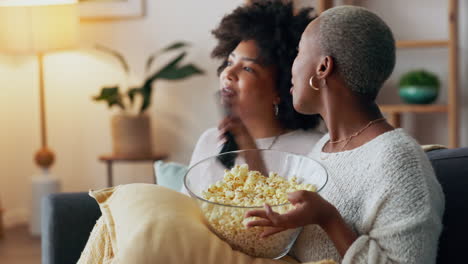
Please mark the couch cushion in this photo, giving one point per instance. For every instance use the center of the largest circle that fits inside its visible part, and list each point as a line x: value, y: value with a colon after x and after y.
x: 451, y: 168
x: 170, y: 174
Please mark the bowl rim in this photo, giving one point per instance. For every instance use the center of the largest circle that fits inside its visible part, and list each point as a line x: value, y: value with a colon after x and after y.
x: 246, y: 150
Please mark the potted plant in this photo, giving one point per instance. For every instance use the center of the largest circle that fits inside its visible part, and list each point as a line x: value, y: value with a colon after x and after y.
x: 419, y: 87
x: 131, y: 129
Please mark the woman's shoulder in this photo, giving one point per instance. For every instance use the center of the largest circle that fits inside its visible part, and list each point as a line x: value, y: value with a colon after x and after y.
x: 392, y: 149
x: 400, y: 156
x: 208, y: 139
x: 396, y: 145
x: 209, y: 135
x: 398, y: 165
x: 206, y: 145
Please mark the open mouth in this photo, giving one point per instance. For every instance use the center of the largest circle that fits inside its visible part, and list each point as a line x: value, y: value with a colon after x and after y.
x: 227, y: 92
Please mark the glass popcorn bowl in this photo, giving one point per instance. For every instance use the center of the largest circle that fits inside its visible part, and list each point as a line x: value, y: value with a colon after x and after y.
x: 227, y: 219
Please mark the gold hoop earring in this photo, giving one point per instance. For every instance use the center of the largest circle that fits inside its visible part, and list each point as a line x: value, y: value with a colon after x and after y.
x: 312, y: 85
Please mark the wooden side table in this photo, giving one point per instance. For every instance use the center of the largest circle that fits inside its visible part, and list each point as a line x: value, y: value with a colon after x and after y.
x: 110, y: 159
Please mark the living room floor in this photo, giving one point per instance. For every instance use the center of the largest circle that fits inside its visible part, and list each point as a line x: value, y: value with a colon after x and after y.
x: 19, y: 247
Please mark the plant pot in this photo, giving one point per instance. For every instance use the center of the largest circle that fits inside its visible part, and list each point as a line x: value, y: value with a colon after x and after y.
x: 413, y: 94
x: 131, y: 135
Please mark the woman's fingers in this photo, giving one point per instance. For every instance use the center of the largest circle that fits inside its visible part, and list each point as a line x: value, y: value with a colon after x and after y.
x: 267, y: 213
x: 274, y: 217
x: 257, y: 213
x: 259, y: 222
x: 298, y: 196
x: 221, y: 142
x: 236, y: 128
x: 223, y: 127
x: 274, y: 221
x: 268, y: 209
x: 223, y: 123
x: 228, y: 124
x: 271, y: 231
x: 222, y: 134
x: 270, y: 218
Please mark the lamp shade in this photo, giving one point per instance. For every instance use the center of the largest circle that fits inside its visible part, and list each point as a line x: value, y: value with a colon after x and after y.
x: 35, y: 26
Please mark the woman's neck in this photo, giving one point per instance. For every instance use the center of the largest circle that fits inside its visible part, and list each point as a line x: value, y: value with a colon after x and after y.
x: 348, y: 118
x: 264, y: 127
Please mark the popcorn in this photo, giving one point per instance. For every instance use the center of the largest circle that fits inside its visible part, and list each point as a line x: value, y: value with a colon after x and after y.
x: 241, y: 188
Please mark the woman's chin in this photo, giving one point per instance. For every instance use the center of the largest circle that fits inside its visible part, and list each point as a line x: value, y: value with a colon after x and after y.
x: 304, y: 109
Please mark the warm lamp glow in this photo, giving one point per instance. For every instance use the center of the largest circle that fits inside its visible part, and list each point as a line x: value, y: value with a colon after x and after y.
x: 35, y: 2
x: 37, y: 26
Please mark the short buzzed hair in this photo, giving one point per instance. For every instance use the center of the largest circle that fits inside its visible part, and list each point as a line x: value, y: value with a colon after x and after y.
x: 361, y: 45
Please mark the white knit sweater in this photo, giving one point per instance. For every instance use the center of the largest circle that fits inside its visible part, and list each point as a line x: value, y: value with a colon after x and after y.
x: 387, y: 192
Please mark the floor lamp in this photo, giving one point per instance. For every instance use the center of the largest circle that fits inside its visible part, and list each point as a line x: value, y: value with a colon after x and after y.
x: 37, y: 27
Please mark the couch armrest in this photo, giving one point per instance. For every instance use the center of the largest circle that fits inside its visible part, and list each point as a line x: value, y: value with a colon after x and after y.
x: 67, y: 221
x: 450, y: 166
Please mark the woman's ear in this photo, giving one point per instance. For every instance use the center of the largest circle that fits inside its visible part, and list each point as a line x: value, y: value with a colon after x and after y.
x: 325, y: 67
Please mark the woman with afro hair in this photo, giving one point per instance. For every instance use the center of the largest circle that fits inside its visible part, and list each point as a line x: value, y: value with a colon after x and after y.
x: 257, y: 44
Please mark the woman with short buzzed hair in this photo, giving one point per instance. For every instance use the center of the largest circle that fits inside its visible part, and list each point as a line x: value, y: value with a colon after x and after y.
x: 382, y: 202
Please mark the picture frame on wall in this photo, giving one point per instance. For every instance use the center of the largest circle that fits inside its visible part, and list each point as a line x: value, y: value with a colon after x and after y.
x: 102, y: 10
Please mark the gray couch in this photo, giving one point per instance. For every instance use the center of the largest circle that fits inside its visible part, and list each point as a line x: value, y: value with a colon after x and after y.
x: 68, y: 218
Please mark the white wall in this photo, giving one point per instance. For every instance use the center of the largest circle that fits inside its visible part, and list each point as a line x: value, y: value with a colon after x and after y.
x: 463, y: 88
x: 426, y: 19
x: 79, y: 128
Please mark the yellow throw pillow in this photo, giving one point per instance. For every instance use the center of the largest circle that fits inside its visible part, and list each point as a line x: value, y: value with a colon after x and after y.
x: 98, y: 250
x: 152, y: 224
x: 148, y: 224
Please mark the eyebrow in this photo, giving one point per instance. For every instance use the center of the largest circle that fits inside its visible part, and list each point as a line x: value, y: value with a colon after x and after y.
x: 245, y: 58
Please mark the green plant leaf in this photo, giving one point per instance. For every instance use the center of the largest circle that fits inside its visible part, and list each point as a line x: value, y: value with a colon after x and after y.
x: 171, y: 71
x: 132, y: 92
x: 419, y: 78
x: 147, y: 88
x: 116, y: 54
x: 111, y: 96
x: 149, y: 61
x: 180, y: 73
x: 146, y: 92
x: 171, y: 66
x: 174, y: 46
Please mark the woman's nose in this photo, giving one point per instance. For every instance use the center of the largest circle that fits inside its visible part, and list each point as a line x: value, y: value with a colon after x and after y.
x: 229, y: 73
